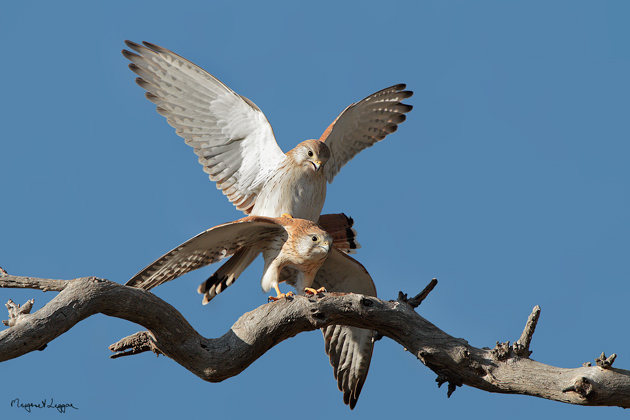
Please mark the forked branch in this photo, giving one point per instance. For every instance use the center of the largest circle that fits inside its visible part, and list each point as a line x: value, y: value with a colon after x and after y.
x: 505, y: 369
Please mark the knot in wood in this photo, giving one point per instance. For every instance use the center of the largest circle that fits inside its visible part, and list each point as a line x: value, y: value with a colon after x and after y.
x: 424, y: 355
x: 368, y: 303
x: 583, y: 387
x: 317, y: 314
x: 501, y: 351
x: 521, y: 350
x: 462, y: 354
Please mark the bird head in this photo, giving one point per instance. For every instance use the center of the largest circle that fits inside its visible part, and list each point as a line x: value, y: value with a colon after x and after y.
x: 312, y: 153
x: 322, y: 241
x: 315, y: 242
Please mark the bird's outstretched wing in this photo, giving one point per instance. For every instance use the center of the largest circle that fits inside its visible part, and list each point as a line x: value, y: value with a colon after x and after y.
x: 206, y: 248
x: 229, y: 133
x: 364, y: 123
x: 349, y: 348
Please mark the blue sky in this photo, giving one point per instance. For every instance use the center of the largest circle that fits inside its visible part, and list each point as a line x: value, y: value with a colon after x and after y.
x: 509, y: 182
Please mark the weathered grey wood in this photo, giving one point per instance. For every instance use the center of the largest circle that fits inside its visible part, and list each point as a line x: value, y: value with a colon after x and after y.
x: 45, y: 285
x: 505, y: 369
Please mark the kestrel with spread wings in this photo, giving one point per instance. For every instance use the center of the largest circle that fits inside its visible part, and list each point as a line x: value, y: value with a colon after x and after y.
x: 237, y: 148
x: 284, y: 242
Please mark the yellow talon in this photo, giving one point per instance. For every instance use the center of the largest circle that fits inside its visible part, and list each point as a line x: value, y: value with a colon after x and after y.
x: 311, y: 291
x: 280, y: 295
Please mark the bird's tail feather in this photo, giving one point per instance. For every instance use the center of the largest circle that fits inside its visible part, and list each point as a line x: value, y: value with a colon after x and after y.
x: 339, y: 226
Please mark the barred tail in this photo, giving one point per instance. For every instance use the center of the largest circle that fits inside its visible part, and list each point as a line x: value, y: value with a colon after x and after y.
x: 339, y: 226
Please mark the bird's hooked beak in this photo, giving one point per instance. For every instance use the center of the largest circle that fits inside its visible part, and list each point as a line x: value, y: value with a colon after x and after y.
x: 317, y: 165
x: 326, y: 246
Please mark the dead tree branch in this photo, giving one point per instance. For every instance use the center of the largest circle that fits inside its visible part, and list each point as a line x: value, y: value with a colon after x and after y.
x: 505, y: 369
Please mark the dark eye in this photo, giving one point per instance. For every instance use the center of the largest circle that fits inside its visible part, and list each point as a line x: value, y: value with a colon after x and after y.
x: 315, y: 238
x: 310, y: 153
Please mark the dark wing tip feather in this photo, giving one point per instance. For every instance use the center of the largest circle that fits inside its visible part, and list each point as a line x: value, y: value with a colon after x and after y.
x: 151, y: 96
x: 139, y: 71
x: 132, y: 45
x: 129, y: 55
x: 146, y: 46
x: 401, y: 89
x: 155, y: 47
x: 346, y: 398
x: 215, y: 284
x: 390, y: 128
x: 353, y: 402
x: 398, y: 119
x: 140, y: 81
x: 212, y: 287
x: 162, y: 111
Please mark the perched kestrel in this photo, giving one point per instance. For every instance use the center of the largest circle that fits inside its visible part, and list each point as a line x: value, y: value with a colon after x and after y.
x: 338, y: 226
x: 237, y: 148
x: 284, y: 242
x: 295, y: 251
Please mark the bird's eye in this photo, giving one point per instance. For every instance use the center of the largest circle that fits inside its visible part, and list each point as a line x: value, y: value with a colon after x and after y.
x: 310, y: 153
x: 315, y: 238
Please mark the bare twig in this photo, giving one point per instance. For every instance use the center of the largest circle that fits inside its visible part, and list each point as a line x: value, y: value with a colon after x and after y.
x: 137, y: 343
x: 17, y: 312
x: 415, y: 301
x: 605, y: 362
x: 521, y: 347
x: 45, y: 285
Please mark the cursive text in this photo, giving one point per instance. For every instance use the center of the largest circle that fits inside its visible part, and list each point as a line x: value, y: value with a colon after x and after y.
x: 43, y: 404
